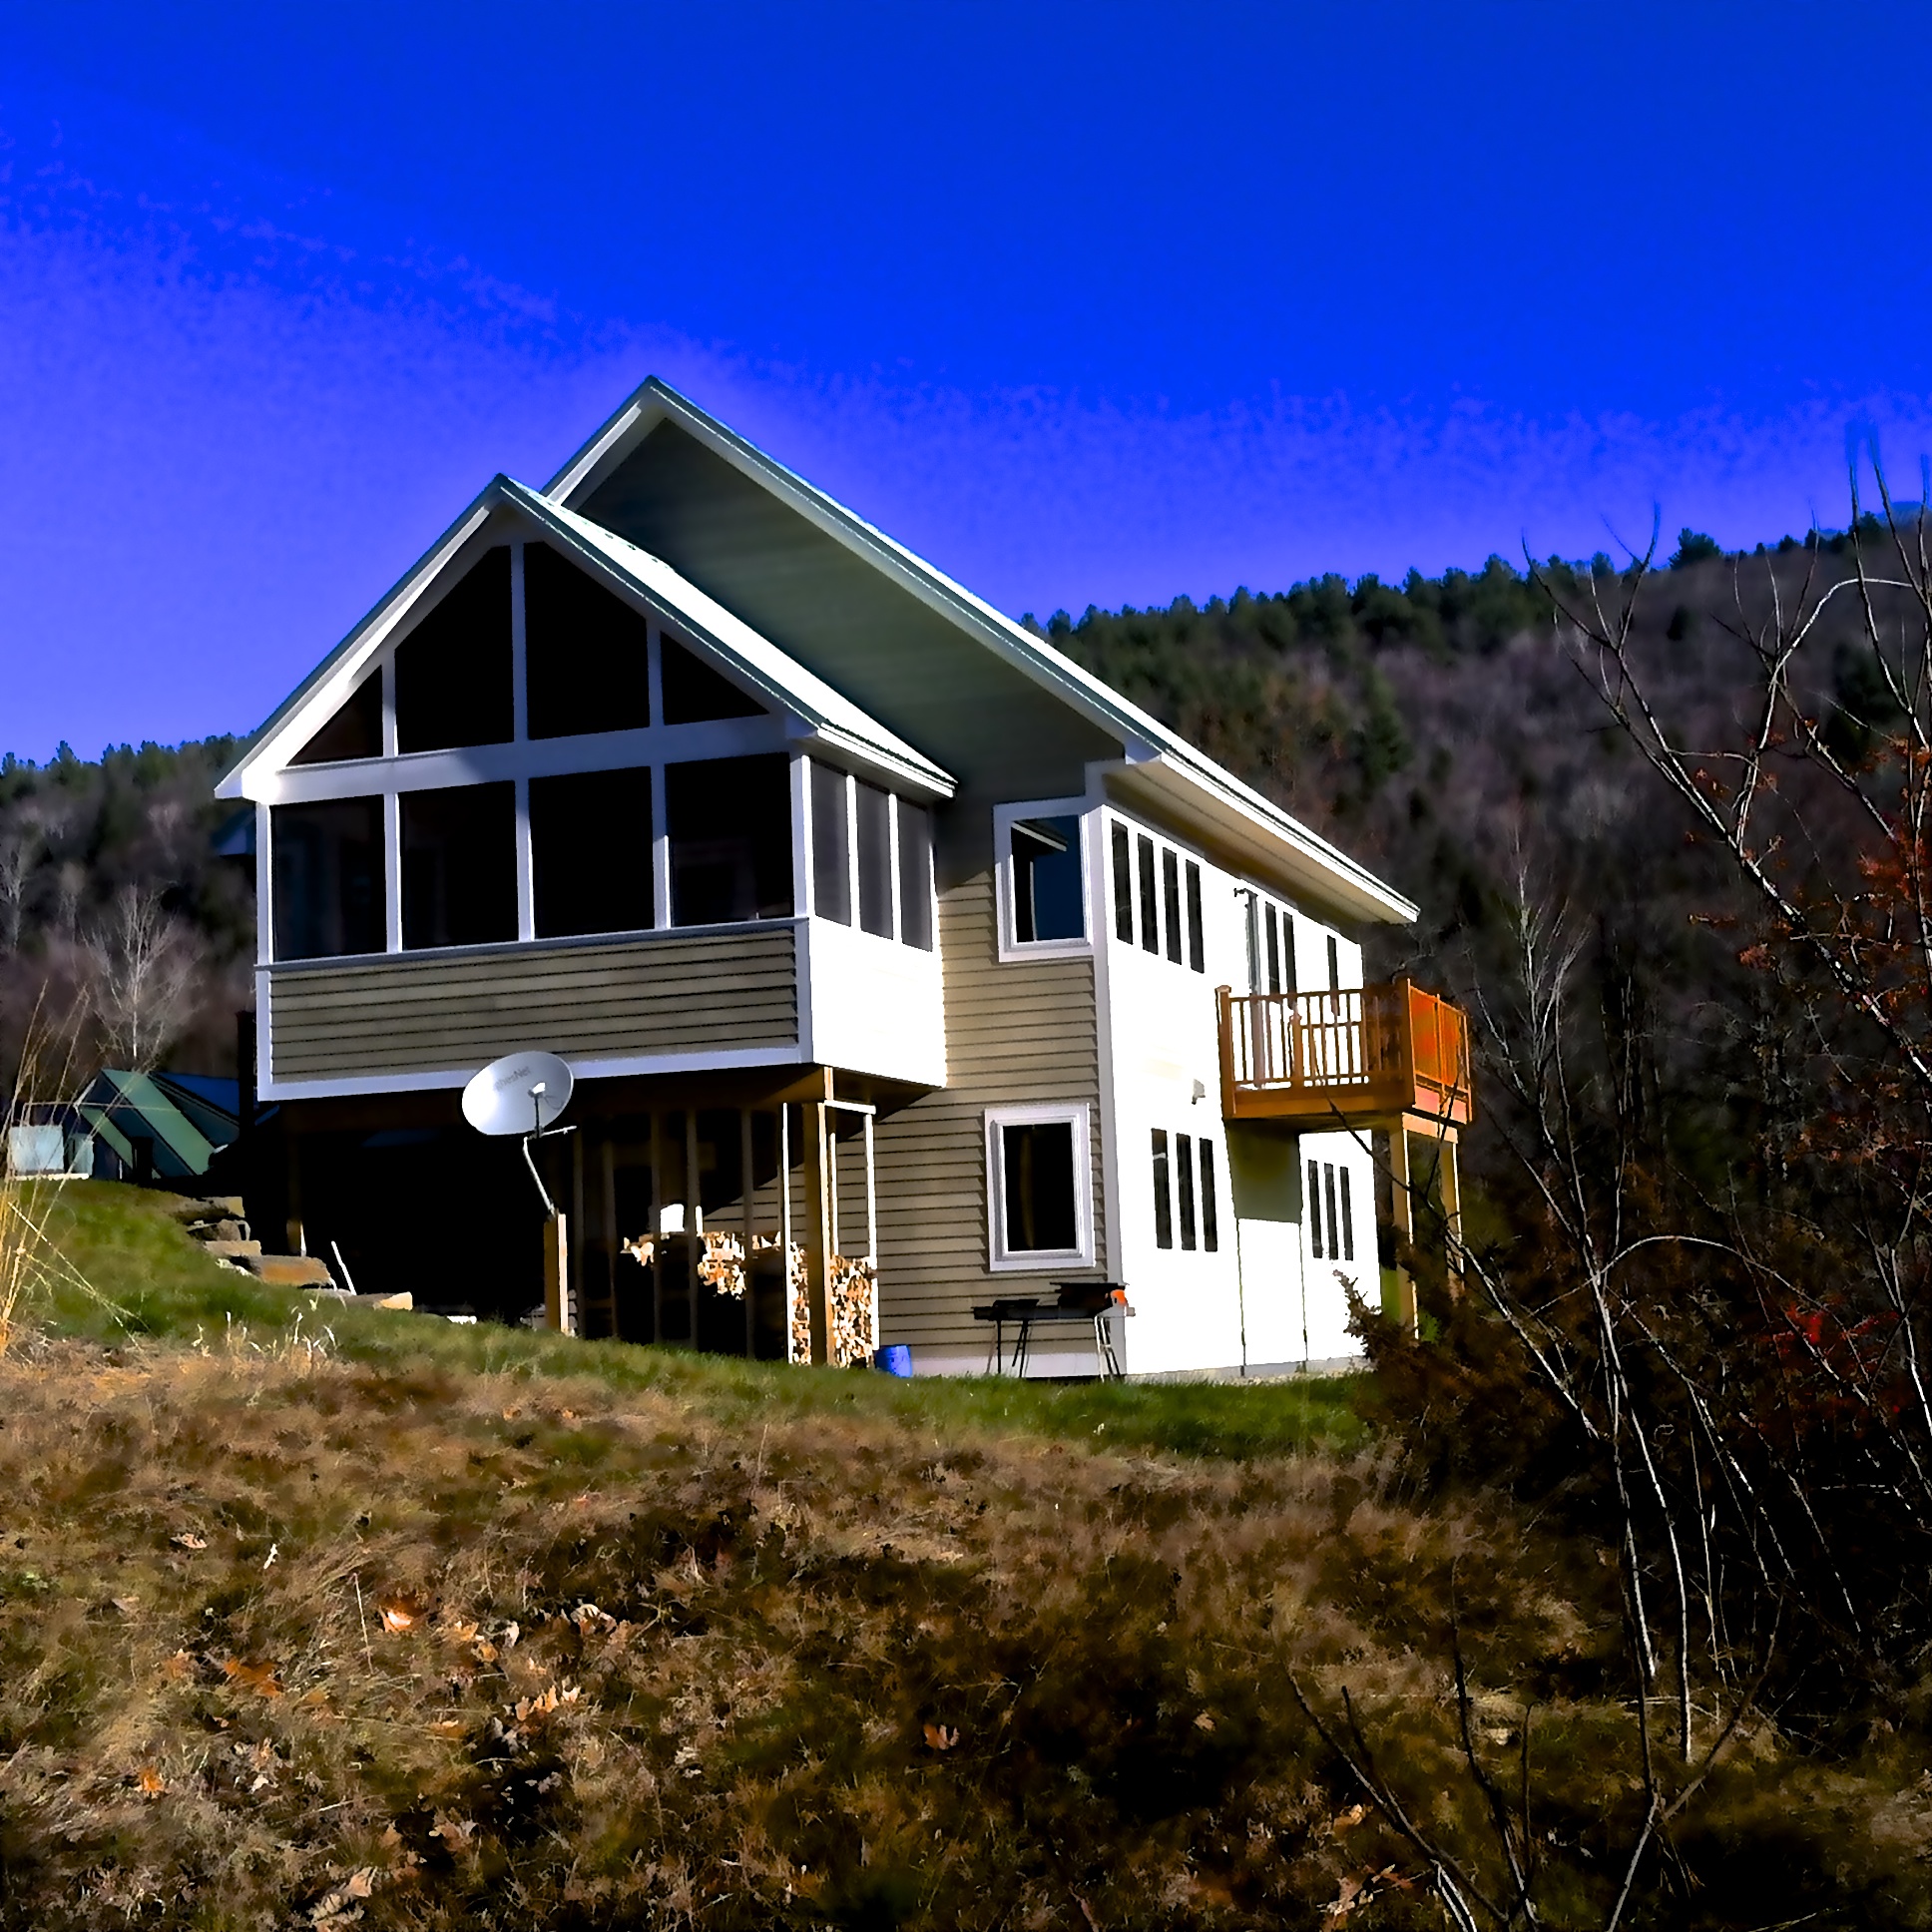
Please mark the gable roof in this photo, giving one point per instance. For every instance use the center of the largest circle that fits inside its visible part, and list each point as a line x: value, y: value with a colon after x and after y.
x: 1156, y: 758
x: 832, y: 717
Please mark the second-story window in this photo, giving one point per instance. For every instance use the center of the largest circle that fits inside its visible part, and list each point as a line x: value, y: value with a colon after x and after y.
x: 916, y: 875
x: 1049, y: 902
x: 453, y: 683
x: 729, y: 824
x: 589, y: 852
x: 460, y: 868
x: 586, y: 652
x: 874, y: 859
x: 1165, y: 888
x: 325, y: 862
x: 355, y: 731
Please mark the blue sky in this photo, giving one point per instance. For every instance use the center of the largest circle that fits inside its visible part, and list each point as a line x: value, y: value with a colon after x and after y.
x: 1087, y: 303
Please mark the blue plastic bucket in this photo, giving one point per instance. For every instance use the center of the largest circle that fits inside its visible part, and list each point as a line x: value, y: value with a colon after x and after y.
x: 897, y: 1360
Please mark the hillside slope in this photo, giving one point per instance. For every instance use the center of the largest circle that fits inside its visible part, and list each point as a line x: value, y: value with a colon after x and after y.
x: 293, y: 1637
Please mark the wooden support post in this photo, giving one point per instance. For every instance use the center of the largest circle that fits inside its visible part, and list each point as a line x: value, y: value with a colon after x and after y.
x: 557, y: 1274
x: 1405, y: 1308
x: 747, y: 1183
x: 575, y: 1277
x: 1452, y: 1209
x: 656, y: 1227
x: 817, y: 1229
x: 298, y: 1241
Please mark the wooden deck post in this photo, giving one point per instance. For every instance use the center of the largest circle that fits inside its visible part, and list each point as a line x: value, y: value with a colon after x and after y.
x: 1452, y: 1210
x: 557, y: 1274
x: 1403, y: 1203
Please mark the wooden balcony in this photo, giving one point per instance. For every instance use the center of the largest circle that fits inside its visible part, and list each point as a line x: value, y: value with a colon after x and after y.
x: 1374, y: 1055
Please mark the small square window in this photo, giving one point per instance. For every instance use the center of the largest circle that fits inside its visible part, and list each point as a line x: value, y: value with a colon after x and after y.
x: 1039, y: 1214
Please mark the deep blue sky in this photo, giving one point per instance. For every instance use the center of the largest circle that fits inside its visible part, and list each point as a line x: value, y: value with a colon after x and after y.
x: 1087, y: 303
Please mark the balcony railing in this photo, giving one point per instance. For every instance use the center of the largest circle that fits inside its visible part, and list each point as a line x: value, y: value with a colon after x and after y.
x: 1342, y: 1059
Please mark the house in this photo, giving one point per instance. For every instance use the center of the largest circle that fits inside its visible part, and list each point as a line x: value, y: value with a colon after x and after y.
x: 902, y: 965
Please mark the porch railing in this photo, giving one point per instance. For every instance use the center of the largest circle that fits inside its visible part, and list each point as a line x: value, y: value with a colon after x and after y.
x: 1335, y: 1057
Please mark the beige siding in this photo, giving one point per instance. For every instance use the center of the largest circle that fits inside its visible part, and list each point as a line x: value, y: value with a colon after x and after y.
x: 707, y: 992
x: 1015, y: 1032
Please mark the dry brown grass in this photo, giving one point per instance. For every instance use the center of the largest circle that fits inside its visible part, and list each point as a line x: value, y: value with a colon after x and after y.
x: 289, y: 1640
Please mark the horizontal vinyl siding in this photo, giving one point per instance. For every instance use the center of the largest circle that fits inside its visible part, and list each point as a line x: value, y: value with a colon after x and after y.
x: 716, y: 990
x: 1015, y: 1032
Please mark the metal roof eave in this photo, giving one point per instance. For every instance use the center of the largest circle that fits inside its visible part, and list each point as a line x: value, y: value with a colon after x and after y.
x: 655, y: 402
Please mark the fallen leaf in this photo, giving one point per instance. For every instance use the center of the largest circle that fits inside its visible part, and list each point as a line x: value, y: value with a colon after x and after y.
x: 315, y: 1700
x: 129, y: 1607
x: 447, y: 1728
x: 399, y: 1614
x: 187, y: 1540
x: 151, y: 1782
x: 180, y: 1666
x: 257, y: 1677
x: 484, y: 1652
x: 454, y: 1832
x: 940, y: 1738
x: 459, y: 1632
x: 1203, y: 1722
x: 1352, y: 1816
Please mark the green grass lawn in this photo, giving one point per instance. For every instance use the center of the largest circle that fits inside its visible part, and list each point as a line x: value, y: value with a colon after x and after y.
x: 144, y: 1276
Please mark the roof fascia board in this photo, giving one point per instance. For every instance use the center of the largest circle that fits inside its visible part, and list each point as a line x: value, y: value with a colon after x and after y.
x: 656, y: 402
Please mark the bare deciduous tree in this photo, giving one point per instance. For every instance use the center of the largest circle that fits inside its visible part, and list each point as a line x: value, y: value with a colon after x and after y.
x: 145, y: 971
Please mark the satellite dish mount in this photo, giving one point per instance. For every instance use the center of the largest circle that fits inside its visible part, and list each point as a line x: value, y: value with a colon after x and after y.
x: 516, y: 1095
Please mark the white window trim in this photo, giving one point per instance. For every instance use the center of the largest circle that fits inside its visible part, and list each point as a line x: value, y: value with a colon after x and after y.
x: 999, y: 1260
x: 1004, y: 817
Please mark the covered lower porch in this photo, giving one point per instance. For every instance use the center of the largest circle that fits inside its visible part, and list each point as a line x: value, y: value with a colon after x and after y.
x: 734, y: 1213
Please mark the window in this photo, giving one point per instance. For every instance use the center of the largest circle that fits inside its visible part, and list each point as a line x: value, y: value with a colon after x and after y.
x: 1334, y: 965
x: 915, y: 875
x: 459, y: 876
x: 1273, y: 953
x: 586, y: 652
x: 1170, y: 901
x: 1325, y: 1212
x: 1150, y: 917
x: 589, y: 848
x: 694, y: 691
x: 328, y: 878
x: 1162, y: 1191
x: 1210, y: 1209
x: 874, y: 859
x: 1183, y: 1173
x: 355, y: 730
x: 1196, y: 946
x: 1038, y: 1211
x: 728, y: 821
x: 832, y: 859
x: 1048, y: 902
x: 453, y: 669
x: 1123, y: 885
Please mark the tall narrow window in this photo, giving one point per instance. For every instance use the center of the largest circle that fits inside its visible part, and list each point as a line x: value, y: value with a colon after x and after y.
x: 1149, y: 912
x: 1255, y: 943
x: 1123, y: 885
x: 694, y: 691
x: 1170, y: 901
x: 728, y: 823
x: 1314, y: 1209
x: 1273, y: 953
x: 1335, y: 966
x: 1197, y: 943
x: 1162, y: 1191
x: 459, y: 865
x: 1288, y: 982
x: 1048, y: 900
x: 1209, y: 1208
x: 915, y: 875
x: 353, y: 732
x: 876, y: 860
x: 832, y: 859
x: 1335, y: 1226
x: 1184, y: 1174
x: 586, y: 651
x: 453, y: 669
x: 327, y: 860
x: 1347, y: 1220
x: 590, y: 850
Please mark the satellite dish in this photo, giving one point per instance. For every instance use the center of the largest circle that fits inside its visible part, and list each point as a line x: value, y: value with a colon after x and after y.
x: 520, y: 1093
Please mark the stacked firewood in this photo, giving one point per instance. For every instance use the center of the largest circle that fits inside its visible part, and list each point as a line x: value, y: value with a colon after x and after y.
x: 852, y: 1297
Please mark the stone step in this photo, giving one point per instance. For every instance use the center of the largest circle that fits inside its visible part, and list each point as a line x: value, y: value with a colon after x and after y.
x: 235, y: 1251
x: 288, y: 1271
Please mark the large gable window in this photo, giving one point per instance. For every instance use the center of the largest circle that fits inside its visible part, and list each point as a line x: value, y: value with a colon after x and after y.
x: 453, y: 682
x: 459, y: 878
x: 590, y: 850
x: 325, y: 862
x: 729, y: 824
x: 353, y: 732
x: 694, y: 692
x: 586, y: 652
x: 1038, y: 1206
